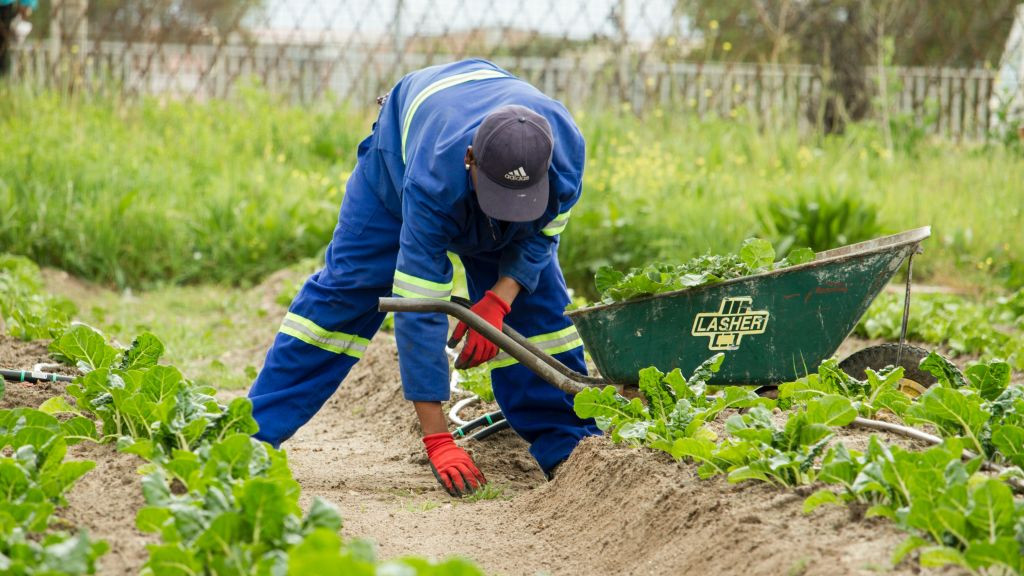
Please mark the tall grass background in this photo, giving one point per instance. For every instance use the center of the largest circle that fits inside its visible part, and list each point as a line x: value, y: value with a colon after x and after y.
x: 165, y: 192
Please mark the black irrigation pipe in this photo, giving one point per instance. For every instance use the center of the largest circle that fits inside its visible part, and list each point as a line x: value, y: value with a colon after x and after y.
x: 488, y: 421
x: 33, y: 376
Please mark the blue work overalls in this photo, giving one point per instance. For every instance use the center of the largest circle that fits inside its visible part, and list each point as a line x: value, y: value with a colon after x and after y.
x: 407, y: 204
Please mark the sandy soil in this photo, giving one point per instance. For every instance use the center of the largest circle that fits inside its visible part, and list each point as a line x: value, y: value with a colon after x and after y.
x: 610, y: 510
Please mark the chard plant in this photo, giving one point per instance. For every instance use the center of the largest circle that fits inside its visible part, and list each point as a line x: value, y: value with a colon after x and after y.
x: 221, y: 501
x: 33, y: 481
x: 675, y: 407
x: 755, y: 256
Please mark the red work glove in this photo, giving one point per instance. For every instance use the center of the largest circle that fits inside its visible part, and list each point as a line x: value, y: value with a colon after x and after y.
x: 479, y: 349
x: 452, y: 467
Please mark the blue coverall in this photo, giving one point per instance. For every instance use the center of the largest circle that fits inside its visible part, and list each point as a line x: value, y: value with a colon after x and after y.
x: 407, y: 204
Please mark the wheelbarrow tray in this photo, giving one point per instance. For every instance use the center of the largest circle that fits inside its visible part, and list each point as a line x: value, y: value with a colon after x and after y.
x: 772, y: 327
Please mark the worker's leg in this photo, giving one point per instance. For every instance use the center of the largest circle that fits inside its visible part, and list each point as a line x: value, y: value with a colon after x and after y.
x: 536, y: 410
x: 331, y: 320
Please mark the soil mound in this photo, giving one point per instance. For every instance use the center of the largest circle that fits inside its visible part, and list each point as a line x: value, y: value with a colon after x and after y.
x: 638, y: 512
x: 610, y: 510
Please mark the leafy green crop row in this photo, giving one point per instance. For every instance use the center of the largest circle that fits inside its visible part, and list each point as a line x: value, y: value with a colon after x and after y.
x: 26, y: 311
x: 954, y: 513
x: 992, y: 330
x: 33, y: 481
x: 222, y: 502
x: 755, y: 256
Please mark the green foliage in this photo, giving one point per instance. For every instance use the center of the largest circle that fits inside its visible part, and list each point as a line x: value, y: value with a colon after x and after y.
x: 33, y: 481
x: 881, y: 390
x: 154, y: 406
x: 755, y: 256
x: 221, y: 501
x: 232, y: 190
x: 991, y: 329
x: 26, y: 311
x: 171, y: 191
x: 954, y: 514
x: 761, y: 450
x: 238, y: 511
x: 676, y: 407
x: 477, y: 381
x: 821, y: 220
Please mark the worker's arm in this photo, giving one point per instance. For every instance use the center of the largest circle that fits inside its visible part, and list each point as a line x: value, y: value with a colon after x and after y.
x: 424, y: 271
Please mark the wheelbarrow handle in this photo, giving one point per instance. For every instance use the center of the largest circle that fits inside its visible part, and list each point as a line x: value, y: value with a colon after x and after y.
x: 513, y: 343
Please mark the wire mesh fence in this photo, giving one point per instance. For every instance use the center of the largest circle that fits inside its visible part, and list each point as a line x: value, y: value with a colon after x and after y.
x: 633, y: 55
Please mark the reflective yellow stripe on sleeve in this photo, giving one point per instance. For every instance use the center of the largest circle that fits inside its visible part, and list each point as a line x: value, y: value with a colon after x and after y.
x: 551, y: 343
x: 309, y: 332
x: 410, y: 286
x: 437, y: 87
x: 556, y: 226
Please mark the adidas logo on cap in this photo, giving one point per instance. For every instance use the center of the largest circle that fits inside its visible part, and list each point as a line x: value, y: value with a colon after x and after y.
x: 517, y: 175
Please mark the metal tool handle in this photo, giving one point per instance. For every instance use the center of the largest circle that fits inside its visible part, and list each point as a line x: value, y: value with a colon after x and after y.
x: 551, y: 370
x: 540, y: 353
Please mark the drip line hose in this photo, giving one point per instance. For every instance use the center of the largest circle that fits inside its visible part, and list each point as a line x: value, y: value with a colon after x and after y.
x: 491, y: 423
x: 33, y: 376
x: 453, y: 414
x: 1016, y: 483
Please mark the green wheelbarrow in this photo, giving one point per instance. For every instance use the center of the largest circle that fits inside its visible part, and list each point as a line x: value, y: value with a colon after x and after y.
x: 772, y: 327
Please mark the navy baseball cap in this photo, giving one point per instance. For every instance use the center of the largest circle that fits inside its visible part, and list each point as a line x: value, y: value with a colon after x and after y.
x: 512, y: 148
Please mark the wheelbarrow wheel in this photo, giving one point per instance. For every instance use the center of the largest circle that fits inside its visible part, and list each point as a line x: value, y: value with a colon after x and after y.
x: 915, y: 381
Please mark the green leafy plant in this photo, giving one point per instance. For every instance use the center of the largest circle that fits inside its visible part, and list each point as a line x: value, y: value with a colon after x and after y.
x: 675, y: 408
x: 954, y: 513
x: 992, y: 329
x: 33, y: 481
x: 221, y: 501
x: 881, y: 390
x: 477, y: 381
x: 238, y: 512
x: 153, y: 406
x: 821, y: 220
x: 26, y: 310
x: 759, y: 449
x: 755, y: 256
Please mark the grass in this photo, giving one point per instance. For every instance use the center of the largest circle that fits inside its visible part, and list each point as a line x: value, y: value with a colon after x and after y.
x: 489, y: 491
x: 215, y: 334
x: 170, y: 192
x: 161, y: 192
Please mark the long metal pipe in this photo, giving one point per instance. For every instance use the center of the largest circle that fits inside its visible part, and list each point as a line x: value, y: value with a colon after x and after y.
x: 538, y: 352
x: 514, y: 349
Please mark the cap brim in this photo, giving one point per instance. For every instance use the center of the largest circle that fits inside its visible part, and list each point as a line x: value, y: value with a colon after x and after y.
x: 512, y: 204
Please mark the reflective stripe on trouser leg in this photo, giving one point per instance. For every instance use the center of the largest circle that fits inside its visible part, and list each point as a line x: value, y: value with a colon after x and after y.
x: 536, y: 410
x: 331, y: 320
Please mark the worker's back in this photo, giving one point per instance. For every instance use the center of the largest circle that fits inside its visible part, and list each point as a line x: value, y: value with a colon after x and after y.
x: 429, y: 119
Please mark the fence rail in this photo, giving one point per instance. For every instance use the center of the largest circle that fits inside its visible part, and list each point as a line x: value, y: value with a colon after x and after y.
x: 956, y: 103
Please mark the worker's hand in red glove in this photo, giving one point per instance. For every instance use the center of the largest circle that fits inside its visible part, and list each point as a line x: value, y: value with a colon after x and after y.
x: 452, y: 467
x: 479, y: 349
